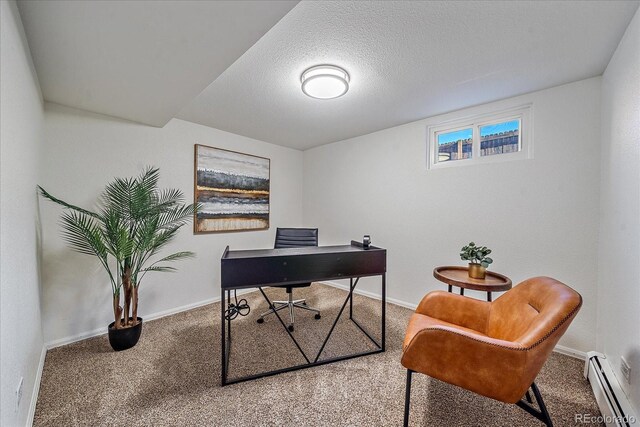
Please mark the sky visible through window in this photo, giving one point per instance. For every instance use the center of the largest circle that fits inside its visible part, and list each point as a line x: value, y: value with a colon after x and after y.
x: 445, y: 138
x: 499, y: 127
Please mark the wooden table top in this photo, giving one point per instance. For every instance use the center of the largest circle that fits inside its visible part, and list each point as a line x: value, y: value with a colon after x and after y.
x: 459, y: 276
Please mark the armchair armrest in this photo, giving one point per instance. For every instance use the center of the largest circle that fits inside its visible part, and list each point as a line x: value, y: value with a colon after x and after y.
x: 484, y: 365
x: 456, y: 309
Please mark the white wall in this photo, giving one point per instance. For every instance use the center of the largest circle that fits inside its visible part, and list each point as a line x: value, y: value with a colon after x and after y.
x: 84, y: 151
x: 619, y: 248
x: 21, y: 118
x: 540, y: 216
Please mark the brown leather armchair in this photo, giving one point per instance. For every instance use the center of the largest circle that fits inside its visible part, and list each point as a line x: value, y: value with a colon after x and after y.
x: 495, y: 349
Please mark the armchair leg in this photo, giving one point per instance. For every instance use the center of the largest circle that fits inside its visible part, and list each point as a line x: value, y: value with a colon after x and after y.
x: 528, y: 397
x: 542, y: 414
x: 407, y: 398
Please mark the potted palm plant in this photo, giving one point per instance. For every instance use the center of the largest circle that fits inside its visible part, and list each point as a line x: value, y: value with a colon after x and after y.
x: 134, y: 220
x: 478, y: 259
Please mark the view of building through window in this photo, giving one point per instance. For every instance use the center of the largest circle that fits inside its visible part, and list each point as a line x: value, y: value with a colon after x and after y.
x: 491, y: 137
x: 455, y: 145
x: 500, y: 138
x: 497, y: 138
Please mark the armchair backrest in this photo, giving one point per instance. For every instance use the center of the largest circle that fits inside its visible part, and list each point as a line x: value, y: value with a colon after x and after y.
x: 296, y: 237
x: 535, y: 314
x: 538, y: 309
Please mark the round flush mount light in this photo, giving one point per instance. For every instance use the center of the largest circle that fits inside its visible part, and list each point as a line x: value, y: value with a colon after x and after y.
x: 325, y: 81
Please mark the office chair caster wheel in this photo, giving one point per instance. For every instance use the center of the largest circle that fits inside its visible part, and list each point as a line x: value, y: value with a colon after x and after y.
x: 317, y: 316
x: 290, y: 328
x: 304, y: 303
x: 260, y: 320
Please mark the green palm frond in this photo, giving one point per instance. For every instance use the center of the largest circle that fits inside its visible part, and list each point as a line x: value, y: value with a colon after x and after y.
x: 113, y: 230
x: 159, y: 239
x: 162, y: 268
x: 64, y: 204
x: 82, y: 234
x: 144, y: 237
x: 177, y: 256
x: 149, y: 178
x: 169, y: 198
x: 135, y: 220
x: 117, y: 194
x: 143, y: 202
x: 164, y: 236
x: 165, y: 268
x: 178, y: 216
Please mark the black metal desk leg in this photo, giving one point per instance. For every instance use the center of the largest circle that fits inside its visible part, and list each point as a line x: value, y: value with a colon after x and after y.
x: 351, y: 298
x: 229, y: 319
x: 335, y: 322
x: 489, y: 296
x: 223, y: 344
x: 384, y: 308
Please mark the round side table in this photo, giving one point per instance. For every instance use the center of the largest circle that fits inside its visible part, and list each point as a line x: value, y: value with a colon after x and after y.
x: 459, y: 276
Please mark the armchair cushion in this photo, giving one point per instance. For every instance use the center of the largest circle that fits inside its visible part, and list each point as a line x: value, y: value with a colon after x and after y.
x: 457, y: 309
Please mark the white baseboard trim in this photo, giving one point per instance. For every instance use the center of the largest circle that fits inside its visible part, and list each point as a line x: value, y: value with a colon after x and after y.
x: 577, y: 354
x: 36, y: 387
x: 180, y: 309
x: 101, y: 331
x: 74, y: 338
x: 370, y: 294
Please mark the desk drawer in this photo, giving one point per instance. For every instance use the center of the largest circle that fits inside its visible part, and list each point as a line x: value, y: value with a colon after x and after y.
x: 251, y: 272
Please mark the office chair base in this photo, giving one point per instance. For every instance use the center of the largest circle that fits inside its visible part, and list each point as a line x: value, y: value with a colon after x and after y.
x: 290, y: 304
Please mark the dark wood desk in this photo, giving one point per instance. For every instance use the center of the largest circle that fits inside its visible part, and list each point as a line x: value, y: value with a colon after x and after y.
x: 459, y: 276
x: 266, y: 267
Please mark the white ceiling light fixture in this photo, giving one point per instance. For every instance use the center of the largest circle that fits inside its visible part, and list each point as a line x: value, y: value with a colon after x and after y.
x: 325, y: 81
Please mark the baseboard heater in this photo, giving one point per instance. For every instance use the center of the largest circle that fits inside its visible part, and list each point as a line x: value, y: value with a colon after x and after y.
x: 614, y: 405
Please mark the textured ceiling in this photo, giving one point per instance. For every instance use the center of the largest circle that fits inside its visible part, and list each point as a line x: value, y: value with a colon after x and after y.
x: 139, y: 60
x: 210, y: 62
x: 407, y: 61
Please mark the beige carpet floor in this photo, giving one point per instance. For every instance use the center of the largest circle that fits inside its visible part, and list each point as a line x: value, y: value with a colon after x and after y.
x: 172, y: 377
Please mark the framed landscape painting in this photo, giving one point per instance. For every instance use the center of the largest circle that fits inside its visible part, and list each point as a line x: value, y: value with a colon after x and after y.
x: 232, y: 189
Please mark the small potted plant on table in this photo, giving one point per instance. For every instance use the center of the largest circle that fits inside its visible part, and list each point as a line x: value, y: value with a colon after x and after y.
x: 478, y: 259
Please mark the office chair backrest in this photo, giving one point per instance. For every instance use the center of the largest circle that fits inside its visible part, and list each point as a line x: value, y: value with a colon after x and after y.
x: 296, y: 237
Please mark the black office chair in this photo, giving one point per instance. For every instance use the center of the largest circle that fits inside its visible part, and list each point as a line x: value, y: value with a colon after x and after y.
x: 293, y: 238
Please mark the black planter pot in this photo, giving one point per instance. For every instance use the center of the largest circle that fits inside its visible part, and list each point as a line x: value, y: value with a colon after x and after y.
x: 122, y: 339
